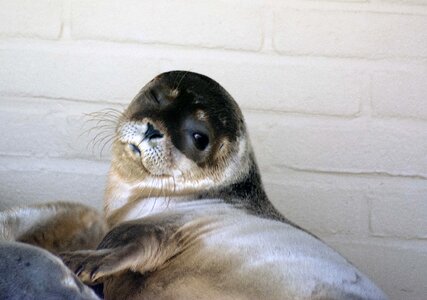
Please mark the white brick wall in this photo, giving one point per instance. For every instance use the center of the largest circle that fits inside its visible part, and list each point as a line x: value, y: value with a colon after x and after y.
x: 349, y: 34
x: 334, y: 94
x: 30, y: 19
x: 199, y: 23
x: 399, y: 94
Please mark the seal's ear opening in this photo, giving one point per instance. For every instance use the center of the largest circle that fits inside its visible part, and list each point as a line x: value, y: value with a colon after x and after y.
x: 161, y: 94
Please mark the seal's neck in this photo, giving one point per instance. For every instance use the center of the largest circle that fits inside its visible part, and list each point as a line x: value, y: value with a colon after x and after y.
x: 248, y: 193
x: 126, y: 200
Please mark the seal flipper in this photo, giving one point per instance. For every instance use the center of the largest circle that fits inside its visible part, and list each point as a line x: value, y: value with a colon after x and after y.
x: 92, y: 265
x: 141, y: 245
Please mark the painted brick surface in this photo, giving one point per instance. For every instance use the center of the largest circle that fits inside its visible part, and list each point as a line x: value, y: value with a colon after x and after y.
x: 418, y: 2
x: 399, y: 211
x: 30, y: 19
x: 385, y: 262
x: 339, y: 146
x: 29, y: 180
x: 206, y: 24
x: 321, y: 208
x: 334, y: 94
x: 400, y: 94
x: 81, y: 74
x: 52, y: 128
x: 116, y: 76
x: 337, y: 33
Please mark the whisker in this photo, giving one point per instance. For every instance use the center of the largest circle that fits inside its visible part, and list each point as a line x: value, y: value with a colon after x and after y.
x: 104, y: 120
x: 103, y: 126
x: 141, y: 209
x: 104, y: 117
x: 110, y: 118
x: 96, y: 144
x: 174, y: 184
x: 155, y: 200
x: 106, y: 111
x: 95, y: 139
x: 174, y: 190
x: 89, y: 130
x: 152, y: 187
x: 107, y: 142
x: 165, y: 195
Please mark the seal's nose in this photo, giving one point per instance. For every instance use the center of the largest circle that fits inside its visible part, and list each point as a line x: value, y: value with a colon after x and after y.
x: 152, y: 133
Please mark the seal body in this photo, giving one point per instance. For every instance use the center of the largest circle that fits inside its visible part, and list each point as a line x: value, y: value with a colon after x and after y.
x: 30, y: 272
x: 188, y: 213
x: 56, y: 227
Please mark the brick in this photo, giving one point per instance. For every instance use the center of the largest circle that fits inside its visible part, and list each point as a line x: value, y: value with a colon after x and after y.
x: 29, y: 181
x: 283, y: 86
x: 48, y: 128
x: 330, y: 204
x: 399, y: 268
x: 349, y: 34
x: 338, y: 145
x: 321, y: 208
x: 399, y: 210
x: 75, y: 73
x: 416, y: 2
x: 224, y: 24
x: 30, y: 19
x: 337, y: 1
x: 400, y: 94
x: 116, y: 77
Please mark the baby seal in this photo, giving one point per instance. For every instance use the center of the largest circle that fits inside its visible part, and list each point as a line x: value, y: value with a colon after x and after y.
x: 189, y: 215
x: 56, y: 226
x: 30, y: 272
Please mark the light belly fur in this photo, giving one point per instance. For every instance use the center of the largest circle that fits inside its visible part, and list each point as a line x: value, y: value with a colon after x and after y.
x: 240, y: 256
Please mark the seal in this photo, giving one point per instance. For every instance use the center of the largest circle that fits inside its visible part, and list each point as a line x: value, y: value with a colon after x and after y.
x: 188, y: 213
x: 56, y: 226
x: 29, y: 272
x: 33, y: 272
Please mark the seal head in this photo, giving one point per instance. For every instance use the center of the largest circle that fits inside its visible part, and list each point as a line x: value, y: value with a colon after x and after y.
x: 183, y: 135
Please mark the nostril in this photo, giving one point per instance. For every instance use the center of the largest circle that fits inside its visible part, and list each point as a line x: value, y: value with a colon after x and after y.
x: 156, y: 136
x: 134, y: 148
x: 152, y: 133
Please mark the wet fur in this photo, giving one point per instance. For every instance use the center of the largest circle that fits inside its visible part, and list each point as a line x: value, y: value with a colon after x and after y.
x: 202, y: 227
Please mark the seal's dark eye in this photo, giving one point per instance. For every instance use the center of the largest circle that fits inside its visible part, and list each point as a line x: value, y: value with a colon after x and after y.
x: 201, y: 140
